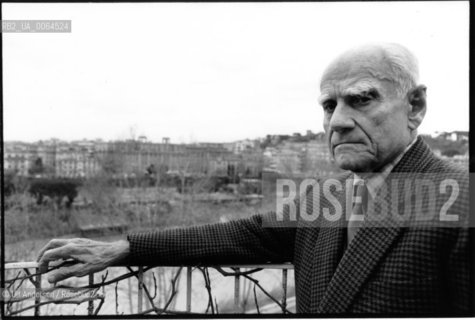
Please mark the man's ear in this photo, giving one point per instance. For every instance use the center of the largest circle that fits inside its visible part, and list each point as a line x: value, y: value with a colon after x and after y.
x: 418, y: 105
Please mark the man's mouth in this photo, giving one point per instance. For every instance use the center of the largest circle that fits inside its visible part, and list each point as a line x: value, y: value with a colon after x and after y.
x: 345, y: 143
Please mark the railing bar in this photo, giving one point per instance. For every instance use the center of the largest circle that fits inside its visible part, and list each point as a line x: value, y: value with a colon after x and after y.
x: 90, y: 307
x: 140, y: 290
x: 22, y: 265
x: 188, y: 288
x: 37, y: 293
x: 284, y: 287
x: 236, y: 291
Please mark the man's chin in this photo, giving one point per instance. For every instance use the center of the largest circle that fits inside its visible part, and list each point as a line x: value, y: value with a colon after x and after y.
x: 354, y: 164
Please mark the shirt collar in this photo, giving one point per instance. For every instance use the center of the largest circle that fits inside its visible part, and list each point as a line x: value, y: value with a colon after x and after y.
x: 374, y: 181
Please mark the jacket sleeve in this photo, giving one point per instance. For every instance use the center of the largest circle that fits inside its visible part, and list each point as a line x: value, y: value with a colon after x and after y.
x: 257, y: 239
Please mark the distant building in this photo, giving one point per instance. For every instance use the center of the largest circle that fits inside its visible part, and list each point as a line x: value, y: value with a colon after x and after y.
x: 240, y: 146
x: 243, y: 158
x: 77, y: 162
x: 454, y: 135
x: 18, y: 157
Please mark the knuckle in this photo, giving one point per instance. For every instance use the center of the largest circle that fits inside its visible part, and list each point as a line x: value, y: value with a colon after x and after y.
x: 46, y: 255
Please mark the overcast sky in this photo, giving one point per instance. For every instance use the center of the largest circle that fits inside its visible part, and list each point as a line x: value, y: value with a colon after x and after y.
x: 213, y: 72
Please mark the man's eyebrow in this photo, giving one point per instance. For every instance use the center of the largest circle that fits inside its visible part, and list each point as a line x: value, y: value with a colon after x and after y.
x: 360, y: 89
x: 323, y: 97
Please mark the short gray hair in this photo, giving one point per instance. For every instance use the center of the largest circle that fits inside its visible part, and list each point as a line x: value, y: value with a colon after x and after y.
x: 404, y: 66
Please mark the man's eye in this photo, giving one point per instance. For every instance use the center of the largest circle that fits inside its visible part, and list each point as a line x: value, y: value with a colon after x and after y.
x: 359, y: 100
x: 329, y: 106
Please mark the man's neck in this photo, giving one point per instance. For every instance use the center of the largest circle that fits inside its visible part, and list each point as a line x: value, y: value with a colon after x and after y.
x: 373, y: 180
x: 389, y: 164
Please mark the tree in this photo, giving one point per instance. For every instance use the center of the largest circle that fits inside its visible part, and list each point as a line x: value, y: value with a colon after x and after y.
x: 152, y: 175
x: 37, y: 168
x: 8, y: 183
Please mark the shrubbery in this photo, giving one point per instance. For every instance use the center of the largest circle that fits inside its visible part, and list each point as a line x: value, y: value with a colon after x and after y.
x: 55, y: 189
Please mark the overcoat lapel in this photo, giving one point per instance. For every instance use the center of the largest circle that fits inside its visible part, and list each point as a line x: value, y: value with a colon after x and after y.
x: 361, y: 257
x: 369, y: 246
x: 328, y: 248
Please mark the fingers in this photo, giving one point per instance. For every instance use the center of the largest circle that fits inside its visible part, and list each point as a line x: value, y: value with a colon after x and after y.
x: 76, y: 270
x: 51, y: 245
x: 64, y: 252
x: 87, y: 256
x: 55, y: 255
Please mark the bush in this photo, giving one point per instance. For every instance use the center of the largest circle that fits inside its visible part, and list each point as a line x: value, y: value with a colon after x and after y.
x: 8, y: 184
x: 55, y: 189
x: 450, y: 152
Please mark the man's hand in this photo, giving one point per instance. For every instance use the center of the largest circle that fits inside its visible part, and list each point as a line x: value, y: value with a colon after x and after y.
x: 87, y: 256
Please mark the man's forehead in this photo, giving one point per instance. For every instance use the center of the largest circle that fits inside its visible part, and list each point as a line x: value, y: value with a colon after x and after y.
x: 356, y: 71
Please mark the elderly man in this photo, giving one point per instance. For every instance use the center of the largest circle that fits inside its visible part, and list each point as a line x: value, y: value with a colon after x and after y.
x: 373, y: 106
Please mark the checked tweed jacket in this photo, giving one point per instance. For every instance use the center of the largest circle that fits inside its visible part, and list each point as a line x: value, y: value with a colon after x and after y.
x: 390, y: 269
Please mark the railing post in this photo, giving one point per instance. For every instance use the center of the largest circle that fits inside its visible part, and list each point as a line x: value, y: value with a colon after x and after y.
x: 284, y: 286
x: 140, y: 290
x: 188, y: 289
x: 129, y: 291
x: 147, y: 282
x: 90, y: 307
x: 37, y: 292
x: 236, y: 291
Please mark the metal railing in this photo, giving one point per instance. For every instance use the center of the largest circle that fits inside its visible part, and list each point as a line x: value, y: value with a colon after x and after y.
x: 24, y: 291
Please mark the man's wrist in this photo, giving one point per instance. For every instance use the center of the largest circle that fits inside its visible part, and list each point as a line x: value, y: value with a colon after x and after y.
x: 122, y: 251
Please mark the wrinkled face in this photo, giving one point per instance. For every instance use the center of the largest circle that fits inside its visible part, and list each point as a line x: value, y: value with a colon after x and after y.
x: 365, y: 120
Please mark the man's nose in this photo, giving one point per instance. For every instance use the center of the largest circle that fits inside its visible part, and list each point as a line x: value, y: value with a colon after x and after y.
x: 341, y: 118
